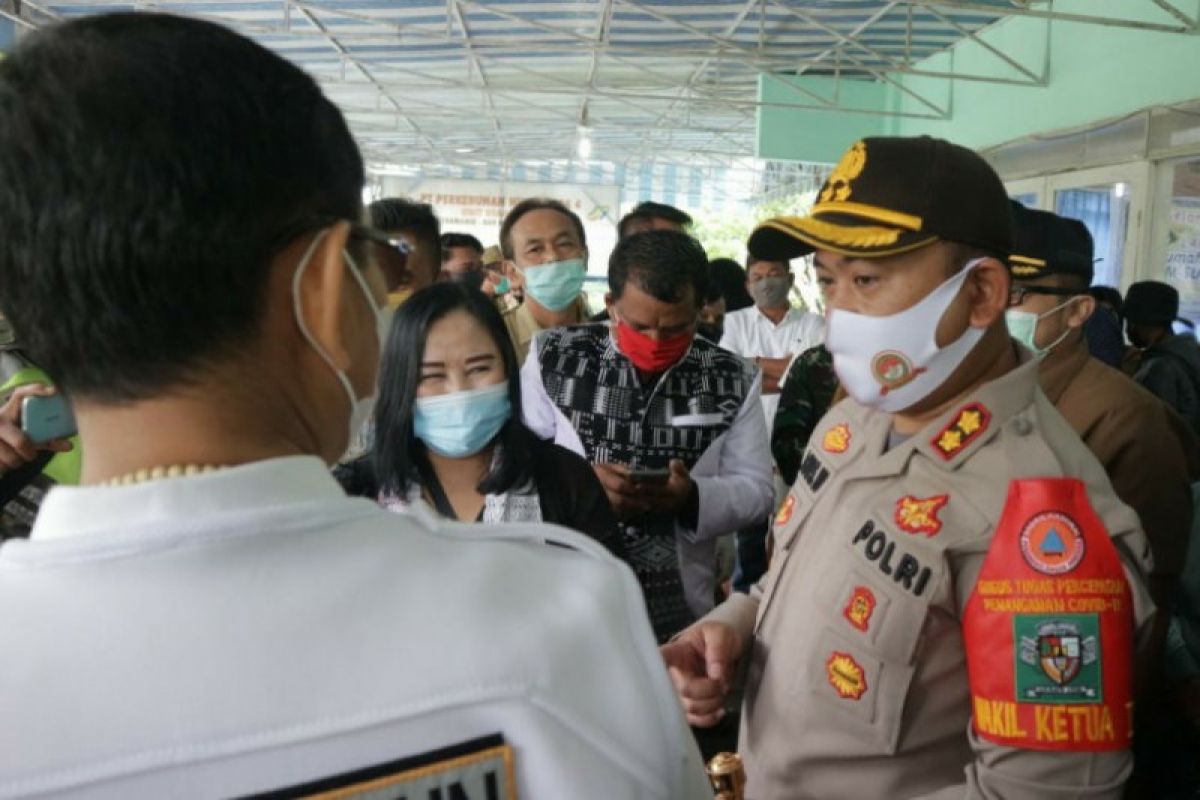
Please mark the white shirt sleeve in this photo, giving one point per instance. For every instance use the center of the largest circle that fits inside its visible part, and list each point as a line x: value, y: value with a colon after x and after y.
x: 537, y: 409
x: 733, y: 476
x: 734, y: 338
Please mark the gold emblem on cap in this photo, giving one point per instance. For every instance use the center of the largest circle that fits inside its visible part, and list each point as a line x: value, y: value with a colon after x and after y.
x: 837, y: 188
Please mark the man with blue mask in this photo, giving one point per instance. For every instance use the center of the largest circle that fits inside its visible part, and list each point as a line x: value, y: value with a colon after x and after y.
x: 545, y: 248
x: 1145, y: 447
x: 911, y: 635
x: 208, y: 614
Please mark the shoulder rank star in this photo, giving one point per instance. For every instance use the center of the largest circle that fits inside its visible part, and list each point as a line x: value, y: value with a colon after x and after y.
x: 917, y: 515
x: 968, y: 425
x: 837, y: 439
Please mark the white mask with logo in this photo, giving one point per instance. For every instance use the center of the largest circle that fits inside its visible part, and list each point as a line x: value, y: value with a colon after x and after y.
x: 360, y: 407
x: 892, y: 363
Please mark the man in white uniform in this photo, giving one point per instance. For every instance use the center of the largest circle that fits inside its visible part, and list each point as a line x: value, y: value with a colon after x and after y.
x: 771, y: 333
x: 208, y: 615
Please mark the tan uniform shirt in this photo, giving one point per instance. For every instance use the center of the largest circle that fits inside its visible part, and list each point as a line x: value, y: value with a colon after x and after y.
x: 1132, y: 434
x: 908, y: 734
x: 522, y: 327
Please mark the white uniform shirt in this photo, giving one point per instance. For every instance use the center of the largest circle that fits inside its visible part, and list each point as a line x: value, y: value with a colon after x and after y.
x: 733, y: 478
x: 254, y: 630
x: 750, y: 334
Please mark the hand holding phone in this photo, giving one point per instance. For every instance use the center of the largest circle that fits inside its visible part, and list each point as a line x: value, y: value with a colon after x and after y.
x: 17, y: 447
x: 45, y: 418
x: 647, y: 475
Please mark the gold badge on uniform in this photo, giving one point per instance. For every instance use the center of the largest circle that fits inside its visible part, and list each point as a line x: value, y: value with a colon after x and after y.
x: 968, y: 426
x: 920, y: 515
x: 785, y: 510
x: 846, y: 676
x: 837, y: 439
x: 859, y: 609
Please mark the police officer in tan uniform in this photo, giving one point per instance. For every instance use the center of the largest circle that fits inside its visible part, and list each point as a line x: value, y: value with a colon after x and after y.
x: 1143, y: 446
x: 955, y: 592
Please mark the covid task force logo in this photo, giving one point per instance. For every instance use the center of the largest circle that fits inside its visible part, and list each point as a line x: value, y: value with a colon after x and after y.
x: 1058, y: 659
x: 1052, y: 543
x: 892, y: 369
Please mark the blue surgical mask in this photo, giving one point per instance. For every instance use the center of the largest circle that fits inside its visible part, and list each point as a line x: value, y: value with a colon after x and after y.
x: 557, y: 284
x: 460, y: 424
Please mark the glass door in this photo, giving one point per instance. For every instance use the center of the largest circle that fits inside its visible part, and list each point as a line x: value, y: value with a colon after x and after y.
x: 1108, y: 201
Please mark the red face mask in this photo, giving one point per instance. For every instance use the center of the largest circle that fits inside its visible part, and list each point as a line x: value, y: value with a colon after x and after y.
x: 651, y: 355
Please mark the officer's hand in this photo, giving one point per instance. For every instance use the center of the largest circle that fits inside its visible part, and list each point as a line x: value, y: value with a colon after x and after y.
x: 669, y: 497
x: 490, y: 281
x: 702, y: 661
x: 16, y: 448
x: 623, y: 494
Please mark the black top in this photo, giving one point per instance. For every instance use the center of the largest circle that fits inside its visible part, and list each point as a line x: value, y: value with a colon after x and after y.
x: 568, y: 490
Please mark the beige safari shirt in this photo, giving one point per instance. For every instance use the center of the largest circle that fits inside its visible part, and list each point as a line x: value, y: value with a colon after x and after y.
x: 522, y: 327
x: 900, y: 725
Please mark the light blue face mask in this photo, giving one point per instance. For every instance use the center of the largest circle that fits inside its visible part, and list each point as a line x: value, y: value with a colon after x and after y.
x: 557, y: 284
x: 460, y: 424
x: 1022, y: 326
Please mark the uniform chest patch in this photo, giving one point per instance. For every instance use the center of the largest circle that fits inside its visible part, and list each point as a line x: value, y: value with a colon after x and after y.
x: 786, y: 510
x: 902, y: 567
x: 860, y: 607
x: 813, y: 472
x: 846, y: 676
x: 481, y: 769
x: 837, y: 439
x: 968, y: 425
x: 920, y: 515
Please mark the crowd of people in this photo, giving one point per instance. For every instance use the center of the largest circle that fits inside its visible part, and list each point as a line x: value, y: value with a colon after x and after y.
x: 358, y: 507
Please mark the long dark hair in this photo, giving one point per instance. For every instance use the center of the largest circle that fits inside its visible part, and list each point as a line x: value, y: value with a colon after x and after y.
x: 399, y: 456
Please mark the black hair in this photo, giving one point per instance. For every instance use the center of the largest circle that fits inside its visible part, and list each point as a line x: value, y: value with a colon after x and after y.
x: 536, y: 204
x: 397, y: 214
x: 399, y: 456
x: 152, y: 166
x: 662, y: 263
x: 452, y: 240
x: 730, y: 279
x: 1110, y: 295
x: 648, y: 209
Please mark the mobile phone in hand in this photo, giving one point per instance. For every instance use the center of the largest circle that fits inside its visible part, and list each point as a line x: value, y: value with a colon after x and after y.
x: 645, y: 475
x: 46, y: 418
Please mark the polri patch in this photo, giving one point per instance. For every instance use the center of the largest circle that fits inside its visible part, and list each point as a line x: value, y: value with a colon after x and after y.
x: 1052, y: 543
x: 860, y: 607
x: 480, y: 769
x: 837, y: 439
x: 846, y: 676
x: 920, y: 515
x: 968, y: 425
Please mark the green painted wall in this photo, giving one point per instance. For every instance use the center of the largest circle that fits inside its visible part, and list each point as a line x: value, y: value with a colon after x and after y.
x: 1095, y: 73
x: 818, y: 135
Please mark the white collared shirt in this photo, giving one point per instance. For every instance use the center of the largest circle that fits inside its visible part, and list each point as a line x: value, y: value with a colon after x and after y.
x: 254, y: 630
x: 749, y: 333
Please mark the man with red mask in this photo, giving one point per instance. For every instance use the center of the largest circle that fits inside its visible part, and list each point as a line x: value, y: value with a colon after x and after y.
x: 672, y: 424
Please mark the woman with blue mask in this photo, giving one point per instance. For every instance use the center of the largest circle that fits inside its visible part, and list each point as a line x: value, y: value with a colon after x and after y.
x: 448, y: 431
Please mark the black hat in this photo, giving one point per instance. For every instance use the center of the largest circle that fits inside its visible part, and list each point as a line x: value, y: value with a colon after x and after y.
x: 890, y: 195
x: 1047, y: 244
x: 1151, y: 303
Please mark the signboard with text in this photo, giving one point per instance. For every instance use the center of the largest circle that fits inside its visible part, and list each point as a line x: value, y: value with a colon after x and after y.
x: 1183, y: 254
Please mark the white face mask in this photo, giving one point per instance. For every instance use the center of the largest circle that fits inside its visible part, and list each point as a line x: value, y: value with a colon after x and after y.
x: 892, y: 363
x: 1022, y: 326
x: 360, y: 407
